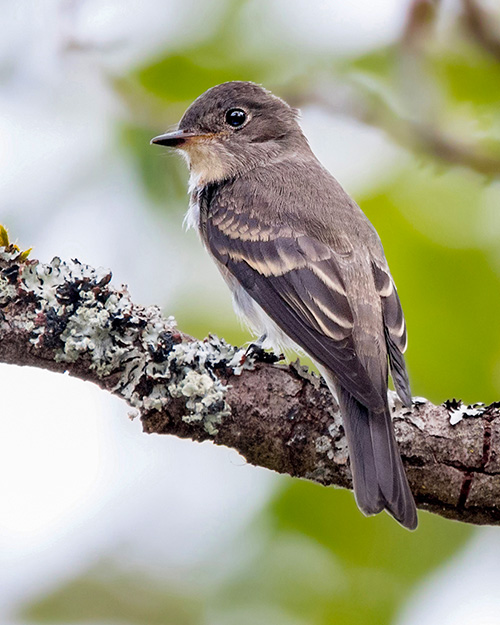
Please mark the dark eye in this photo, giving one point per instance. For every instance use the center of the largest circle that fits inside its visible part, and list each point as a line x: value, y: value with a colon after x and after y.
x: 236, y: 117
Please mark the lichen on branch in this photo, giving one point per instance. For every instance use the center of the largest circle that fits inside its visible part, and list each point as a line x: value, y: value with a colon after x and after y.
x: 68, y: 317
x: 75, y: 315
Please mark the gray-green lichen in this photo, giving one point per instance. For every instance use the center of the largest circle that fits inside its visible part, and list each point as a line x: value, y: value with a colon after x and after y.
x: 333, y: 446
x: 77, y: 314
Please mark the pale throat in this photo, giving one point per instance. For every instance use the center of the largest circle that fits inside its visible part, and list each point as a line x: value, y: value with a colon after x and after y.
x: 207, y: 161
x: 206, y: 164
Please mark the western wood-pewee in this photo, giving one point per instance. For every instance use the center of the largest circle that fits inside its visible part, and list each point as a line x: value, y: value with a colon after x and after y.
x: 305, y: 266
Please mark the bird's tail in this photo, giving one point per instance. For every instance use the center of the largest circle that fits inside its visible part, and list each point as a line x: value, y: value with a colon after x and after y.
x: 378, y: 475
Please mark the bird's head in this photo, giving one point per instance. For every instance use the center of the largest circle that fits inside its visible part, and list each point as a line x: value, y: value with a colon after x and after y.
x: 234, y: 127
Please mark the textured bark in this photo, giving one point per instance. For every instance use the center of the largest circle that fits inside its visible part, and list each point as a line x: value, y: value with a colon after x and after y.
x: 66, y: 317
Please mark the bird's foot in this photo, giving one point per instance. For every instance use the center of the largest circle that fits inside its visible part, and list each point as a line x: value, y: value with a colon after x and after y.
x: 257, y: 353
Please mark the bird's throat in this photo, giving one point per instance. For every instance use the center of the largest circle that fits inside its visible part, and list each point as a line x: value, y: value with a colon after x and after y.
x: 208, y: 162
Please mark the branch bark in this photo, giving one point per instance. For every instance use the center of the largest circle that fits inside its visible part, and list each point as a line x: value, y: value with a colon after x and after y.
x: 482, y: 27
x: 67, y: 317
x: 418, y: 135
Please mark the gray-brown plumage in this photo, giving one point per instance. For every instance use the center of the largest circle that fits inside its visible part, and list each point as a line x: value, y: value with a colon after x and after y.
x: 305, y: 265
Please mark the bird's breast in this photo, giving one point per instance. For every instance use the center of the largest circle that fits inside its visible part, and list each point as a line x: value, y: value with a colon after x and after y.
x: 255, y: 318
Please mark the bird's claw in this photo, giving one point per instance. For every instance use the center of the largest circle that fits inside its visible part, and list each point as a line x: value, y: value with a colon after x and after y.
x: 257, y: 353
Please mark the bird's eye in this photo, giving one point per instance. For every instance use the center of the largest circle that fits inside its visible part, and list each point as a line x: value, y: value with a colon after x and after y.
x: 236, y: 117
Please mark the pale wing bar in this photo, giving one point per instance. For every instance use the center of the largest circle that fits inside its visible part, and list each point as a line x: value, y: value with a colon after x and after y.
x: 288, y: 286
x: 395, y: 330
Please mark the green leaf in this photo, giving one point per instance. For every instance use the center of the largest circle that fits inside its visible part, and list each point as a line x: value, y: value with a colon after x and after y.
x: 24, y: 255
x: 21, y: 256
x: 4, y: 236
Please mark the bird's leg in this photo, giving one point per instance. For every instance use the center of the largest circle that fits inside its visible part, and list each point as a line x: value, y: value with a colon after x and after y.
x: 259, y: 342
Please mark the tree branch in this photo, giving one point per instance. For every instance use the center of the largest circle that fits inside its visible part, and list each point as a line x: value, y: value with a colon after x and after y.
x: 404, y: 116
x: 66, y: 317
x: 418, y: 135
x: 481, y: 25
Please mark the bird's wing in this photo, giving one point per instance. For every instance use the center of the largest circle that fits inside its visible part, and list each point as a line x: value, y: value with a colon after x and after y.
x: 394, y: 326
x: 298, y: 282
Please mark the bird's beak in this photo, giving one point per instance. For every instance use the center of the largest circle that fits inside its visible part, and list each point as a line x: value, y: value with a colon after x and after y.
x: 175, y: 139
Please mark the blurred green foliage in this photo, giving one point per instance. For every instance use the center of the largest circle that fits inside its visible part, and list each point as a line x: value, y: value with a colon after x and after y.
x: 469, y: 75
x: 318, y: 561
x: 379, y: 561
x: 106, y: 595
x: 157, y: 180
x: 448, y: 284
x: 181, y: 75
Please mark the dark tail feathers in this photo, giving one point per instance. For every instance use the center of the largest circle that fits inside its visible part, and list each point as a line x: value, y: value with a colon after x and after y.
x: 378, y: 474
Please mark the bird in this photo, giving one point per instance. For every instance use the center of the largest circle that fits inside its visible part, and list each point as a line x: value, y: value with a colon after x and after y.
x: 305, y: 266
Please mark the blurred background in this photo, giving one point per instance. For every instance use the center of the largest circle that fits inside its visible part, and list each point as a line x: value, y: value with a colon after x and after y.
x: 400, y: 100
